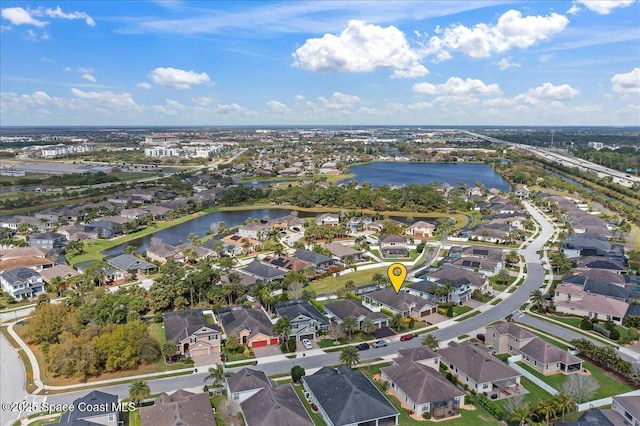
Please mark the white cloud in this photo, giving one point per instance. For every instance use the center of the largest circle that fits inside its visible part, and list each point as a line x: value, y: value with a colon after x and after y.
x: 202, y: 100
x: 546, y: 58
x: 58, y: 13
x: 278, y: 107
x: 105, y: 99
x: 547, y: 92
x: 458, y: 87
x: 360, y: 47
x: 176, y: 78
x: 170, y: 107
x: 88, y: 77
x: 144, y: 85
x: 231, y: 109
x: 20, y: 16
x: 482, y: 40
x: 300, y: 98
x: 601, y: 7
x: 505, y: 63
x: 413, y: 72
x: 419, y: 106
x: 573, y: 9
x: 626, y: 83
x: 339, y: 101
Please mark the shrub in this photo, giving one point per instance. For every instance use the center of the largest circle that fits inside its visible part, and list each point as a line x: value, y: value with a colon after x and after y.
x: 426, y: 415
x: 625, y: 340
x: 585, y: 324
x: 633, y: 333
x: 450, y: 311
x: 600, y: 329
x: 292, y: 345
x: 614, y: 335
x: 412, y: 324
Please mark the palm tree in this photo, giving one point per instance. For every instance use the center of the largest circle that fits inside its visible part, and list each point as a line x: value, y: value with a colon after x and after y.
x: 349, y: 356
x: 431, y: 342
x: 521, y: 414
x: 537, y: 299
x: 168, y: 349
x: 378, y: 278
x: 448, y: 289
x: 368, y: 326
x: 138, y: 391
x: 283, y: 328
x: 216, y: 374
x: 566, y: 402
x: 396, y: 320
x: 546, y: 407
x: 350, y: 325
x: 349, y: 286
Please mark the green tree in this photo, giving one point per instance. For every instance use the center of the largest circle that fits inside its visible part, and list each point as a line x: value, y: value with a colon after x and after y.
x: 168, y: 349
x: 282, y: 327
x: 431, y: 342
x: 503, y: 276
x: 565, y: 402
x: 350, y: 325
x: 537, y: 299
x: 194, y: 239
x: 396, y: 321
x: 216, y: 374
x: 296, y: 373
x: 138, y: 391
x: 368, y: 326
x: 349, y: 356
x: 232, y: 342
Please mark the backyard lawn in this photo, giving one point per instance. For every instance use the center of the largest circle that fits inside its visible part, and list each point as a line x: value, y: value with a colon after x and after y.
x: 331, y: 284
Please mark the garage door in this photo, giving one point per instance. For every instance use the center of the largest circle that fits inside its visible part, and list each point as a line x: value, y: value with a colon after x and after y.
x: 275, y: 340
x: 199, y: 351
x: 259, y: 344
x: 306, y: 336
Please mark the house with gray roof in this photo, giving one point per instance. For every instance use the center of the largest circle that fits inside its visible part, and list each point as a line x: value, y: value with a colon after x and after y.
x: 193, y: 336
x: 598, y: 262
x: 392, y: 246
x: 480, y: 370
x: 104, y: 412
x: 346, y: 397
x: 486, y: 266
x: 306, y: 320
x: 263, y: 272
x: 21, y: 283
x: 252, y: 326
x: 318, y: 260
x: 47, y: 240
x: 129, y: 263
x: 461, y: 290
x: 420, y: 354
x: 338, y: 310
x: 277, y: 405
x: 572, y: 300
x: 423, y: 389
x: 403, y: 303
x: 451, y: 274
x: 576, y: 245
x: 245, y: 383
x: 503, y: 337
x: 624, y: 411
x: 598, y: 287
x: 547, y: 358
x: 180, y: 408
x: 341, y: 253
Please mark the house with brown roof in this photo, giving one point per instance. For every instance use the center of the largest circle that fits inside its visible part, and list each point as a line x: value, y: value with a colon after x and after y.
x: 161, y: 252
x: 507, y: 337
x: 328, y: 219
x: 480, y: 370
x: 420, y: 230
x: 180, y: 408
x: 63, y: 271
x: 252, y: 326
x: 404, y: 303
x: 341, y: 253
x: 423, y: 389
x: 420, y: 354
x: 36, y: 263
x: 572, y: 300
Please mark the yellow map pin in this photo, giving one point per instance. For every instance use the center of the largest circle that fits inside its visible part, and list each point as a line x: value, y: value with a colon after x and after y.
x: 397, y: 272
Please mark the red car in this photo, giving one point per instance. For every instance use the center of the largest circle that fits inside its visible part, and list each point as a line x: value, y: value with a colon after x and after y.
x: 406, y: 337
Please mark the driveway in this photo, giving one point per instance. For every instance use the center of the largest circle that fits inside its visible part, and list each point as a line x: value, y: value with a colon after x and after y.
x: 204, y: 360
x: 267, y: 351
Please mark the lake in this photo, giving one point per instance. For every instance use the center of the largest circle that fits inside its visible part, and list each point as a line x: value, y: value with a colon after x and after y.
x: 405, y: 173
x: 200, y: 226
x: 379, y: 173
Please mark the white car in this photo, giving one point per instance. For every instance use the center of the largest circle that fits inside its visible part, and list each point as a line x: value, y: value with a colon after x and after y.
x: 379, y: 343
x: 306, y: 343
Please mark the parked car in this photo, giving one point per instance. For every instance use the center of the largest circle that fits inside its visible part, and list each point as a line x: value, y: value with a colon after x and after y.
x: 379, y: 343
x: 406, y: 337
x: 306, y: 343
x: 480, y: 337
x: 362, y: 346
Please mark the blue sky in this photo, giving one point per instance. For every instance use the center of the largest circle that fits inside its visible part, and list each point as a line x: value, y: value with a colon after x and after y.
x: 320, y: 62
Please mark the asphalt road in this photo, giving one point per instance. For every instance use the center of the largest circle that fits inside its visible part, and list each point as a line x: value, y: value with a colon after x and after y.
x: 12, y: 380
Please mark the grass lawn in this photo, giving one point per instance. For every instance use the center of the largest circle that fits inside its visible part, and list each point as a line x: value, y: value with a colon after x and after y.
x: 467, y: 316
x: 156, y: 330
x: 315, y: 417
x: 495, y: 302
x: 331, y: 284
x: 554, y: 380
x: 536, y: 393
x: 609, y: 384
x: 460, y: 309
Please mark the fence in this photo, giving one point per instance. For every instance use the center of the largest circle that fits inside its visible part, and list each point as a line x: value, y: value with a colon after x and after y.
x: 512, y: 363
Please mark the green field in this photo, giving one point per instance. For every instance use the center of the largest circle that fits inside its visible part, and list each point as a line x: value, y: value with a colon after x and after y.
x: 331, y: 284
